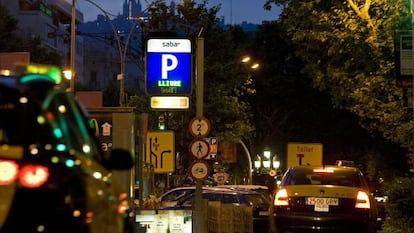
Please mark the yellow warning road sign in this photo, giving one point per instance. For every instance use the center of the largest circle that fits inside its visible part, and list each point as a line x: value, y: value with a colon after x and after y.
x: 160, y: 152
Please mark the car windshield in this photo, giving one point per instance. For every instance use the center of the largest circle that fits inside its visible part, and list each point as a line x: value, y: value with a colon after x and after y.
x: 256, y: 199
x: 175, y: 195
x: 18, y: 118
x: 251, y: 199
x: 348, y: 178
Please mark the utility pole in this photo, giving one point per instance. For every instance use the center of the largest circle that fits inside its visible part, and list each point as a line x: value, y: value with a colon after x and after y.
x: 200, y: 218
x: 72, y: 47
x: 412, y: 73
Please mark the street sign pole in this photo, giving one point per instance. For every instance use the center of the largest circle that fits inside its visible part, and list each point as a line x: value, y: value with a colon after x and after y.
x: 200, y: 217
x: 411, y: 105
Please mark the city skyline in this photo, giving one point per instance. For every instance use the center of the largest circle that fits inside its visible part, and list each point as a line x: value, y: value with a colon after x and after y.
x: 233, y: 11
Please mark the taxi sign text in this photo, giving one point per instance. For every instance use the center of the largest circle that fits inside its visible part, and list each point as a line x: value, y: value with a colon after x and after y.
x: 304, y: 154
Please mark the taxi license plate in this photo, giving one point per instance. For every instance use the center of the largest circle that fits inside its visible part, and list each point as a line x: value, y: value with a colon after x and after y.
x: 321, y: 203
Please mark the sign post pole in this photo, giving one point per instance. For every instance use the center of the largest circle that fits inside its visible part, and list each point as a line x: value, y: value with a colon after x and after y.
x: 200, y: 218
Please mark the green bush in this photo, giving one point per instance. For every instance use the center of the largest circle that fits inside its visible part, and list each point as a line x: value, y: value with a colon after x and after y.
x: 400, y: 206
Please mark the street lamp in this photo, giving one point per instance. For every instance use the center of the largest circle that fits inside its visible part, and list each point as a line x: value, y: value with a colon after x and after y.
x: 269, y: 163
x: 266, y: 168
x: 247, y: 59
x: 276, y: 164
x: 67, y: 74
x: 122, y: 50
x: 266, y: 162
x: 258, y: 162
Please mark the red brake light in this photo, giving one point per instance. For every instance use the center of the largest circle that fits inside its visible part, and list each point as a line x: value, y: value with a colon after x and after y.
x: 362, y: 201
x: 8, y: 171
x: 123, y: 207
x: 281, y: 198
x: 33, y: 176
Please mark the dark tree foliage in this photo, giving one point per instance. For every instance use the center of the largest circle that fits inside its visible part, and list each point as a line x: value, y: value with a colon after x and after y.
x: 348, y: 50
x: 288, y: 108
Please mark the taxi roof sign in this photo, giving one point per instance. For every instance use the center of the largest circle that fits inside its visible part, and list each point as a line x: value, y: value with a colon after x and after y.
x: 37, y: 72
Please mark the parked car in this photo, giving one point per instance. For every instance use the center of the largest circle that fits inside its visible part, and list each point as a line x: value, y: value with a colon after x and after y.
x: 258, y: 188
x: 259, y: 202
x: 53, y: 175
x: 382, y: 212
x: 170, y: 198
x: 324, y: 199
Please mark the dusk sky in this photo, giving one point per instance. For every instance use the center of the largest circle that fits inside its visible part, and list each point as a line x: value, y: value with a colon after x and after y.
x: 234, y: 11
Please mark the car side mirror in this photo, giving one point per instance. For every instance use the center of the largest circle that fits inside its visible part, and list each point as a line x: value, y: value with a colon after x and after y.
x: 119, y: 159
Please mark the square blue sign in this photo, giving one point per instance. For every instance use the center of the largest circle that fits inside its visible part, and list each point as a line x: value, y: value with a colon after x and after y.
x: 168, y: 66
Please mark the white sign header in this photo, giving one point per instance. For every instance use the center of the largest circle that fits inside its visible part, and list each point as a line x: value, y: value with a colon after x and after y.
x: 169, y: 45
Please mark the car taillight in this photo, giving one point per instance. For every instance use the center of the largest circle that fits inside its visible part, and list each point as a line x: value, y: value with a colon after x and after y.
x: 362, y: 201
x: 281, y: 198
x: 33, y: 176
x: 8, y: 171
x: 29, y: 175
x: 123, y: 207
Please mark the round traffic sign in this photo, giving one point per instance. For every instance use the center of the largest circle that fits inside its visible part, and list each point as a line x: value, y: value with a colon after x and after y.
x: 272, y: 172
x: 200, y: 126
x: 199, y: 148
x: 199, y: 170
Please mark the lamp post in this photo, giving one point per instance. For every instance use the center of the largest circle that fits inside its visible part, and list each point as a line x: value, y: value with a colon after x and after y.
x: 266, y: 168
x: 245, y: 60
x: 122, y: 52
x: 72, y: 47
x: 121, y: 75
x: 268, y: 164
x: 249, y: 160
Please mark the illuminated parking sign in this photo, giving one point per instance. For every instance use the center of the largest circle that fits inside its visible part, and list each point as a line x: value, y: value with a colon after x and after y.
x: 168, y: 66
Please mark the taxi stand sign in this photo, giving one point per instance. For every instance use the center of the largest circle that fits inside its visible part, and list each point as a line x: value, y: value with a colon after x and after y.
x: 304, y: 153
x: 168, y: 66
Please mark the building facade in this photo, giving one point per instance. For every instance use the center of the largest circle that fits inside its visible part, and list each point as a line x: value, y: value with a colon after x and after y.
x: 107, y: 49
x: 113, y: 49
x: 48, y: 20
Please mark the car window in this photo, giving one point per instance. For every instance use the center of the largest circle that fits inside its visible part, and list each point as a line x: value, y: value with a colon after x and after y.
x: 213, y: 196
x: 255, y: 199
x: 339, y: 178
x: 230, y: 198
x: 348, y: 178
x: 252, y: 199
x: 70, y: 125
x: 20, y: 115
x: 177, y: 194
